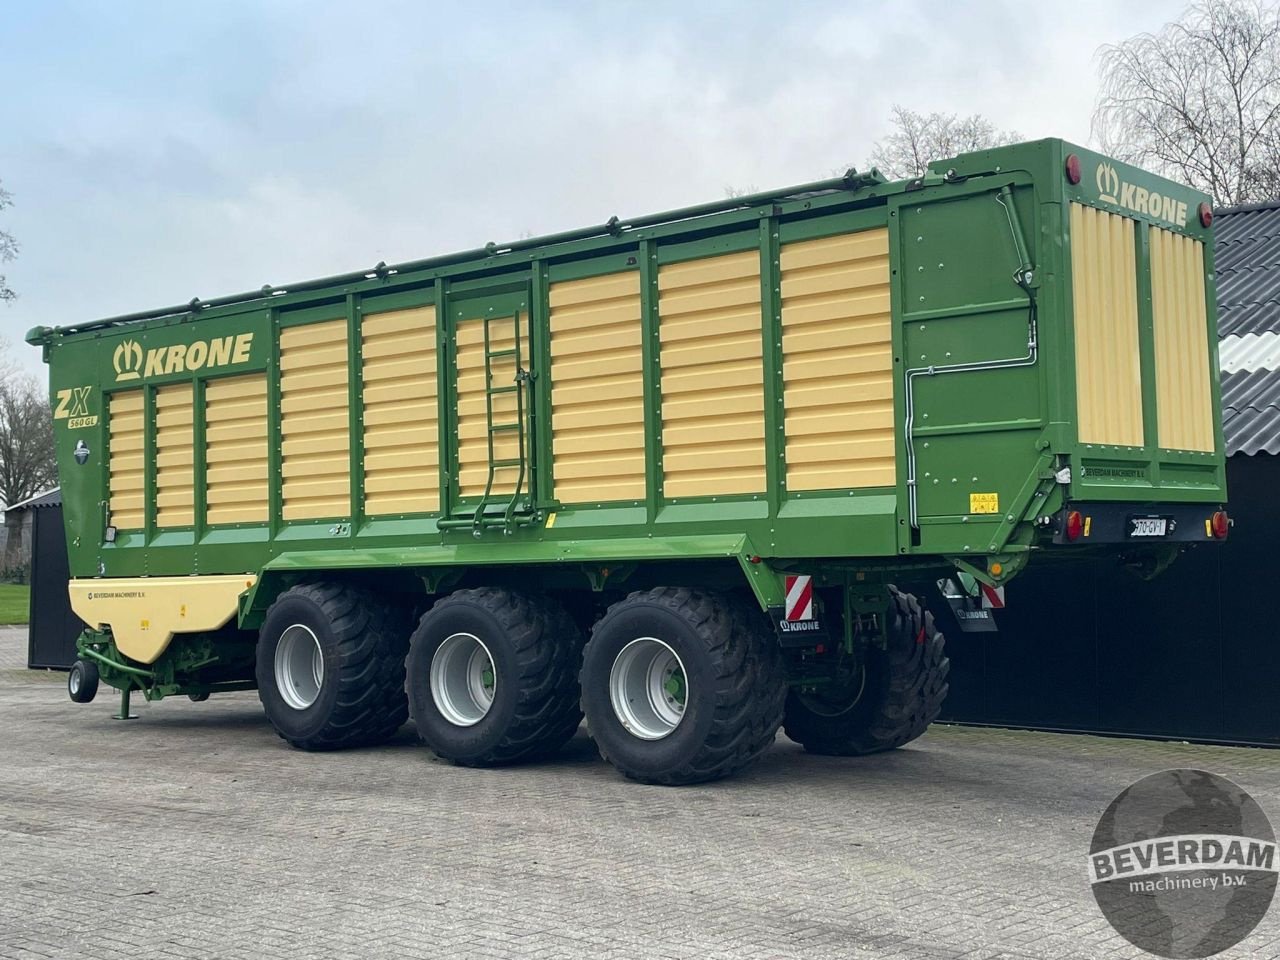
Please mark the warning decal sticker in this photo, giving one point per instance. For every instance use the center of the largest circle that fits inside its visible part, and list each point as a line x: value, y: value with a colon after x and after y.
x: 984, y: 503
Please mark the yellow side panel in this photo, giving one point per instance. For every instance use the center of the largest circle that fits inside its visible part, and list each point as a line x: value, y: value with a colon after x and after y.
x: 145, y: 612
x: 127, y: 464
x: 597, y: 389
x: 235, y: 434
x: 314, y: 430
x: 1108, y: 364
x: 175, y: 457
x: 837, y: 362
x: 712, y: 376
x: 473, y: 427
x: 1184, y: 395
x: 401, y: 414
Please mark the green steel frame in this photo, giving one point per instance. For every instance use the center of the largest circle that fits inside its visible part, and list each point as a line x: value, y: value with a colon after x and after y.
x: 957, y: 249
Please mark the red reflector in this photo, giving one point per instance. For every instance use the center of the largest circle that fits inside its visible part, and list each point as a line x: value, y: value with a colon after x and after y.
x: 820, y: 648
x: 1073, y: 169
x: 1075, y: 525
x: 1206, y: 215
x: 1220, y: 524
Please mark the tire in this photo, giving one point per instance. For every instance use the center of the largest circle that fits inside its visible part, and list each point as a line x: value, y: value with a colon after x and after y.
x: 198, y: 697
x: 340, y: 681
x: 525, y: 707
x: 82, y: 682
x: 727, y: 667
x: 896, y: 695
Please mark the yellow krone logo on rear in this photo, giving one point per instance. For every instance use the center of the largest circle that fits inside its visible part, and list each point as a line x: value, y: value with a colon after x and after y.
x: 1150, y: 203
x: 131, y: 362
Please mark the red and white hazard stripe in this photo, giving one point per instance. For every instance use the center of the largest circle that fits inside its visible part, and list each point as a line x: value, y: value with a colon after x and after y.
x: 992, y: 597
x: 799, y: 598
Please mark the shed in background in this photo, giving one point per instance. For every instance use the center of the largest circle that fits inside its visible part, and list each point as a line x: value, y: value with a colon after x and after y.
x: 51, y: 640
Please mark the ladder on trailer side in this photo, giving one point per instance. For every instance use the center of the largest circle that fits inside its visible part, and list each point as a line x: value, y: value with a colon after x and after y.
x: 518, y: 510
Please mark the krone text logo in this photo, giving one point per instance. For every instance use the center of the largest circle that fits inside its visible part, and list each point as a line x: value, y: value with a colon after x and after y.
x: 131, y: 363
x: 1150, y: 203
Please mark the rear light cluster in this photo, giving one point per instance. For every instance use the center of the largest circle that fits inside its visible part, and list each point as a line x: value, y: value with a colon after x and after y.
x: 1072, y: 169
x: 1206, y: 215
x: 1075, y: 525
x: 1220, y: 525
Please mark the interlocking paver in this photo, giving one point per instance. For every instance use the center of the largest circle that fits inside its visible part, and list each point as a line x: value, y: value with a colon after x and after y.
x: 195, y: 832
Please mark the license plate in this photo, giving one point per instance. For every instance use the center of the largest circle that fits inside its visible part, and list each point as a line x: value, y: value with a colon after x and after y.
x: 1148, y: 526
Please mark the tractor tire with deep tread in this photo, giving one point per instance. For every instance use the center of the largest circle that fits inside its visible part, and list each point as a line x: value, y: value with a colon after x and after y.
x: 734, y: 687
x: 362, y: 639
x: 900, y: 693
x: 771, y: 670
x: 533, y: 648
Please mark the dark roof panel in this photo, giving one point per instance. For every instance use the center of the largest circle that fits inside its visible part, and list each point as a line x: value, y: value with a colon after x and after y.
x: 1251, y: 411
x: 1242, y: 318
x: 1247, y: 260
x: 52, y: 498
x: 1248, y: 223
x: 1250, y: 252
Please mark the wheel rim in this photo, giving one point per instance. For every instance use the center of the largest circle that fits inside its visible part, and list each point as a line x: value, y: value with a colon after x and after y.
x: 73, y: 681
x: 648, y: 688
x: 299, y: 666
x: 841, y: 701
x: 463, y: 679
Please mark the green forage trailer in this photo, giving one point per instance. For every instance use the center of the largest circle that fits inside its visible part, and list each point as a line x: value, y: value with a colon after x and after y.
x: 696, y: 475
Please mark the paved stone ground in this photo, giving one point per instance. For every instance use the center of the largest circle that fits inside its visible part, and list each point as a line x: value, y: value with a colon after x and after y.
x: 195, y: 832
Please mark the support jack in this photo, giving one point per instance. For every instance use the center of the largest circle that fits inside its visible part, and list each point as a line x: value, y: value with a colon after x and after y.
x: 124, y: 713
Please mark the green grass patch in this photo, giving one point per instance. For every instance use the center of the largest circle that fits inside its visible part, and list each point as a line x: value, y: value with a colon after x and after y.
x: 15, y: 602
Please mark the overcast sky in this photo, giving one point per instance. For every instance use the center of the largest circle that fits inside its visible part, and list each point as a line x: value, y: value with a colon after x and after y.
x: 160, y: 151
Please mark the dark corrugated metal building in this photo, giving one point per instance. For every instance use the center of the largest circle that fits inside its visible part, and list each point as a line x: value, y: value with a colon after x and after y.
x: 1195, y: 653
x: 51, y: 636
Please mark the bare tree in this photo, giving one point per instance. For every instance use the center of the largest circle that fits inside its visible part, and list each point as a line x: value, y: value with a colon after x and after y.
x: 8, y: 247
x: 1200, y: 100
x: 918, y: 139
x: 26, y: 440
